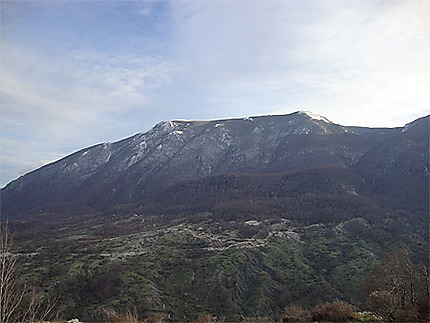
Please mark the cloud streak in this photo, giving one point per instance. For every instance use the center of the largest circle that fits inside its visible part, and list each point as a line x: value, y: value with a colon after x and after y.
x: 60, y: 105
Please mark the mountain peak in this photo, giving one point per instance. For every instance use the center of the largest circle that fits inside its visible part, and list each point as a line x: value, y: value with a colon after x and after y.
x: 421, y: 123
x: 314, y: 116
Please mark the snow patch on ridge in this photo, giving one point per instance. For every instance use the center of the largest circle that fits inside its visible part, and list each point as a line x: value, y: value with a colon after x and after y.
x: 314, y: 116
x: 407, y: 127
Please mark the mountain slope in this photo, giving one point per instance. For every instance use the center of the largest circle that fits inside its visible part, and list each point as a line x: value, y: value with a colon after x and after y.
x: 138, y: 167
x: 398, y: 168
x: 235, y: 218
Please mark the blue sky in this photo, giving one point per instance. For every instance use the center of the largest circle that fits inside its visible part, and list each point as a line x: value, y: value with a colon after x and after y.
x: 76, y: 73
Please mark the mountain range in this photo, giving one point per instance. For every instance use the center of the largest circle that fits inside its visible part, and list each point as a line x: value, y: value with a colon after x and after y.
x: 142, y: 167
x: 237, y: 217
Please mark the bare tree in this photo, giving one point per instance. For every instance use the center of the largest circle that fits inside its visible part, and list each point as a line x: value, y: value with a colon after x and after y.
x: 10, y: 294
x: 39, y: 307
x: 397, y: 288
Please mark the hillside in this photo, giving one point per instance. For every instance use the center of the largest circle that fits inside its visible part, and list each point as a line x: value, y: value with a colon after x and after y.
x: 236, y: 218
x: 136, y: 168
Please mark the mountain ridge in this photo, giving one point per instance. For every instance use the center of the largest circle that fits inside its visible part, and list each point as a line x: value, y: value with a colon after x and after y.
x: 161, y: 123
x: 135, y: 168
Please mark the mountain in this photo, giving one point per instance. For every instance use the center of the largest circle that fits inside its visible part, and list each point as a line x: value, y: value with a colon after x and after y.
x: 398, y: 168
x: 137, y: 168
x: 236, y: 218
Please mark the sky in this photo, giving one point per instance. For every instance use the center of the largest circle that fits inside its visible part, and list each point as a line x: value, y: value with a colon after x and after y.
x: 76, y: 73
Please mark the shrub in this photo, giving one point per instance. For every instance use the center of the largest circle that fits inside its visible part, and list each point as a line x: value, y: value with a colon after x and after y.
x: 408, y: 314
x: 155, y: 319
x: 333, y: 312
x: 129, y: 317
x: 296, y: 314
x: 207, y: 318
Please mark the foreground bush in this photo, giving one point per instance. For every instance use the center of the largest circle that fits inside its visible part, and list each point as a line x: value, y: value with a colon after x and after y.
x: 129, y: 317
x: 333, y: 312
x: 206, y: 318
x: 296, y: 314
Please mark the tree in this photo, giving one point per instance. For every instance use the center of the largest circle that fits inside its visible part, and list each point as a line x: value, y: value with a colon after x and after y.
x: 15, y: 305
x: 10, y: 294
x: 397, y: 288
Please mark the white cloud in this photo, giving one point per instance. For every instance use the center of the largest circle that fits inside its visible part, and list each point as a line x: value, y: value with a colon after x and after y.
x: 60, y: 104
x: 77, y: 89
x: 19, y: 156
x: 359, y: 62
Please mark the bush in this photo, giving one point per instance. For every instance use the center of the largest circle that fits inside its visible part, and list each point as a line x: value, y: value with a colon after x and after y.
x: 129, y: 317
x: 333, y: 312
x: 408, y: 314
x: 108, y: 284
x: 155, y: 319
x: 204, y: 319
x: 296, y: 314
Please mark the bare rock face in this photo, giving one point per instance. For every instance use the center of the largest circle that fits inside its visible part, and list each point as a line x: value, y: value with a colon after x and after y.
x: 140, y: 167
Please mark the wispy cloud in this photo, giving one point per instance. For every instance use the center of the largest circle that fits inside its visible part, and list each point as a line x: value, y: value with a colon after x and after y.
x: 62, y: 104
x: 19, y: 156
x: 360, y: 62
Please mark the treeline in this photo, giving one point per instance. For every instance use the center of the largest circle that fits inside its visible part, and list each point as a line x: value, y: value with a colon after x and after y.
x: 209, y: 191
